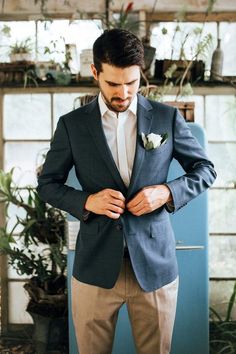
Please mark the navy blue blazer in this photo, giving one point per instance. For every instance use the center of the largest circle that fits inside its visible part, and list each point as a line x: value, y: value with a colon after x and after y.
x: 79, y: 141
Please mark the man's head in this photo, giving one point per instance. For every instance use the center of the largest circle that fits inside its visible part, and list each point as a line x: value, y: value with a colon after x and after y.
x: 118, y: 57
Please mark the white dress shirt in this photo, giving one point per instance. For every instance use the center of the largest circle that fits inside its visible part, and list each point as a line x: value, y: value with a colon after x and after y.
x: 120, y: 130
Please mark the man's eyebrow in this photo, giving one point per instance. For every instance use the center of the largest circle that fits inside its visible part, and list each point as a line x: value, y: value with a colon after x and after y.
x: 115, y: 83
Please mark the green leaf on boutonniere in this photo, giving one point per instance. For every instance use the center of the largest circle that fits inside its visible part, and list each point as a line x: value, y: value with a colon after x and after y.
x: 164, y: 138
x: 149, y: 145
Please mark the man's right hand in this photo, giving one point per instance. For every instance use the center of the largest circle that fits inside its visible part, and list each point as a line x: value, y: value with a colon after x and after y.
x: 107, y: 202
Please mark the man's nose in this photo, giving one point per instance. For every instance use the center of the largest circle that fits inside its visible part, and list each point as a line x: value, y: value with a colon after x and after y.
x: 123, y: 92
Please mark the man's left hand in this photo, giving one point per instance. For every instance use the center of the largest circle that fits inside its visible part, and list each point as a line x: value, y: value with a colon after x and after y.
x: 149, y: 199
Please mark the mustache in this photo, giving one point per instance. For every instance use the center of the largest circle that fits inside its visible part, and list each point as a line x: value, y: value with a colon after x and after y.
x: 120, y: 99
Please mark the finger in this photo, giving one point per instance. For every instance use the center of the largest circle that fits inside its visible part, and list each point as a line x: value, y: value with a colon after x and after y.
x: 118, y: 202
x: 139, y: 212
x: 137, y: 208
x: 112, y: 215
x: 136, y: 200
x: 115, y: 208
x: 116, y: 194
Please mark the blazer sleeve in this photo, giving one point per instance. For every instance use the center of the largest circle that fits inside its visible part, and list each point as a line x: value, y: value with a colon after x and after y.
x: 51, y: 181
x: 200, y: 173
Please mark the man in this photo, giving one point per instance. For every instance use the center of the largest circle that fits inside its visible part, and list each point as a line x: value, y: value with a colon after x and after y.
x: 125, y: 249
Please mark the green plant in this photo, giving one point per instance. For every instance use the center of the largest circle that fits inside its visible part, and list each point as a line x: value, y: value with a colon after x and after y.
x: 200, y: 45
x: 123, y: 19
x: 199, y: 48
x: 22, y: 47
x: 40, y: 248
x: 223, y: 330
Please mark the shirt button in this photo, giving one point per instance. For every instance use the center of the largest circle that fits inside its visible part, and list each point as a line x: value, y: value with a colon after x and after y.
x: 119, y: 227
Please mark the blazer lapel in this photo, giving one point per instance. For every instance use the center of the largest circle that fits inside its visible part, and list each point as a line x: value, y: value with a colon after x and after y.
x: 144, y: 121
x: 94, y: 125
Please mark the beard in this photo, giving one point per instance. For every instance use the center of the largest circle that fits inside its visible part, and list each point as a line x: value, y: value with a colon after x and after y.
x: 116, y: 104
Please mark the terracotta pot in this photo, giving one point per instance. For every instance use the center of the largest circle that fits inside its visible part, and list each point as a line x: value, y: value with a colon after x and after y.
x: 20, y: 57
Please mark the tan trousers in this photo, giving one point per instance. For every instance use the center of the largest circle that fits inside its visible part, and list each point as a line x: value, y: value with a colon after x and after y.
x: 95, y: 311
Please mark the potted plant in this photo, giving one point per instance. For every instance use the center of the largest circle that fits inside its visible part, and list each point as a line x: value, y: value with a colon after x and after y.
x: 40, y: 255
x: 189, y: 69
x: 185, y: 69
x: 21, y: 51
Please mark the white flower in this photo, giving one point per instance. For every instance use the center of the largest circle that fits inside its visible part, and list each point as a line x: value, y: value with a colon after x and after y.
x: 153, y: 141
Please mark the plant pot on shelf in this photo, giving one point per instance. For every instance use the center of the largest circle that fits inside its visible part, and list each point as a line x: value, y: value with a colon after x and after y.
x: 16, y: 57
x: 195, y: 72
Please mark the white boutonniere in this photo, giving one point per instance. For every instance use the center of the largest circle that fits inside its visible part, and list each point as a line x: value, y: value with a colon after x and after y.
x: 153, y: 141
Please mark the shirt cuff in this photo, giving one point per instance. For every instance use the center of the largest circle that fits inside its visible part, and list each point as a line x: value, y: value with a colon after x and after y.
x: 85, y: 215
x: 170, y: 207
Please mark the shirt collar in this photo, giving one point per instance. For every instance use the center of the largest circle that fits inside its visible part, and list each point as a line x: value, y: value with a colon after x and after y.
x: 103, y: 107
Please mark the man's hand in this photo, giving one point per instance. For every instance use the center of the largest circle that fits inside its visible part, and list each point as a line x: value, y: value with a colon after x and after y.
x: 149, y: 199
x: 107, y: 202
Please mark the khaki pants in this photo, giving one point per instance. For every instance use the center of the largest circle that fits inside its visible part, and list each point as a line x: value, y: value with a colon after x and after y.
x: 95, y: 311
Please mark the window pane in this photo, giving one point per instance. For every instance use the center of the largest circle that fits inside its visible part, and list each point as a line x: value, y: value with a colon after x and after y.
x: 27, y: 116
x: 228, y: 45
x: 64, y: 103
x: 82, y: 33
x: 223, y: 256
x: 223, y: 156
x: 220, y: 293
x: 27, y: 157
x: 19, y: 31
x: 221, y: 118
x: 13, y: 213
x: 222, y: 211
x: 17, y: 304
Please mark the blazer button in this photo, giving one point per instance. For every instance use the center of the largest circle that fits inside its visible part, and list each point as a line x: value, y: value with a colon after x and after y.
x: 119, y: 227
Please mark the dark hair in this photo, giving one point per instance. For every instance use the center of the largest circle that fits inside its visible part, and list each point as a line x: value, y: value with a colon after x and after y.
x: 117, y: 47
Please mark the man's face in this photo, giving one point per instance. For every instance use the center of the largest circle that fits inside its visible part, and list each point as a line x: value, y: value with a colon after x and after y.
x: 118, y: 85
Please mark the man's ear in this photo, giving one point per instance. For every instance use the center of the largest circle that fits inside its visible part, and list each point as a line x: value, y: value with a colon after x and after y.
x: 94, y: 72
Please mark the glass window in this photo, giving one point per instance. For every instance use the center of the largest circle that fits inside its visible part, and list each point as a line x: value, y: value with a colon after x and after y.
x: 223, y: 155
x: 28, y: 116
x: 222, y: 256
x: 17, y: 304
x: 19, y: 32
x: 26, y: 157
x: 13, y: 213
x: 227, y: 36
x: 64, y: 103
x: 222, y: 211
x: 55, y: 34
x: 220, y: 293
x: 221, y: 118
